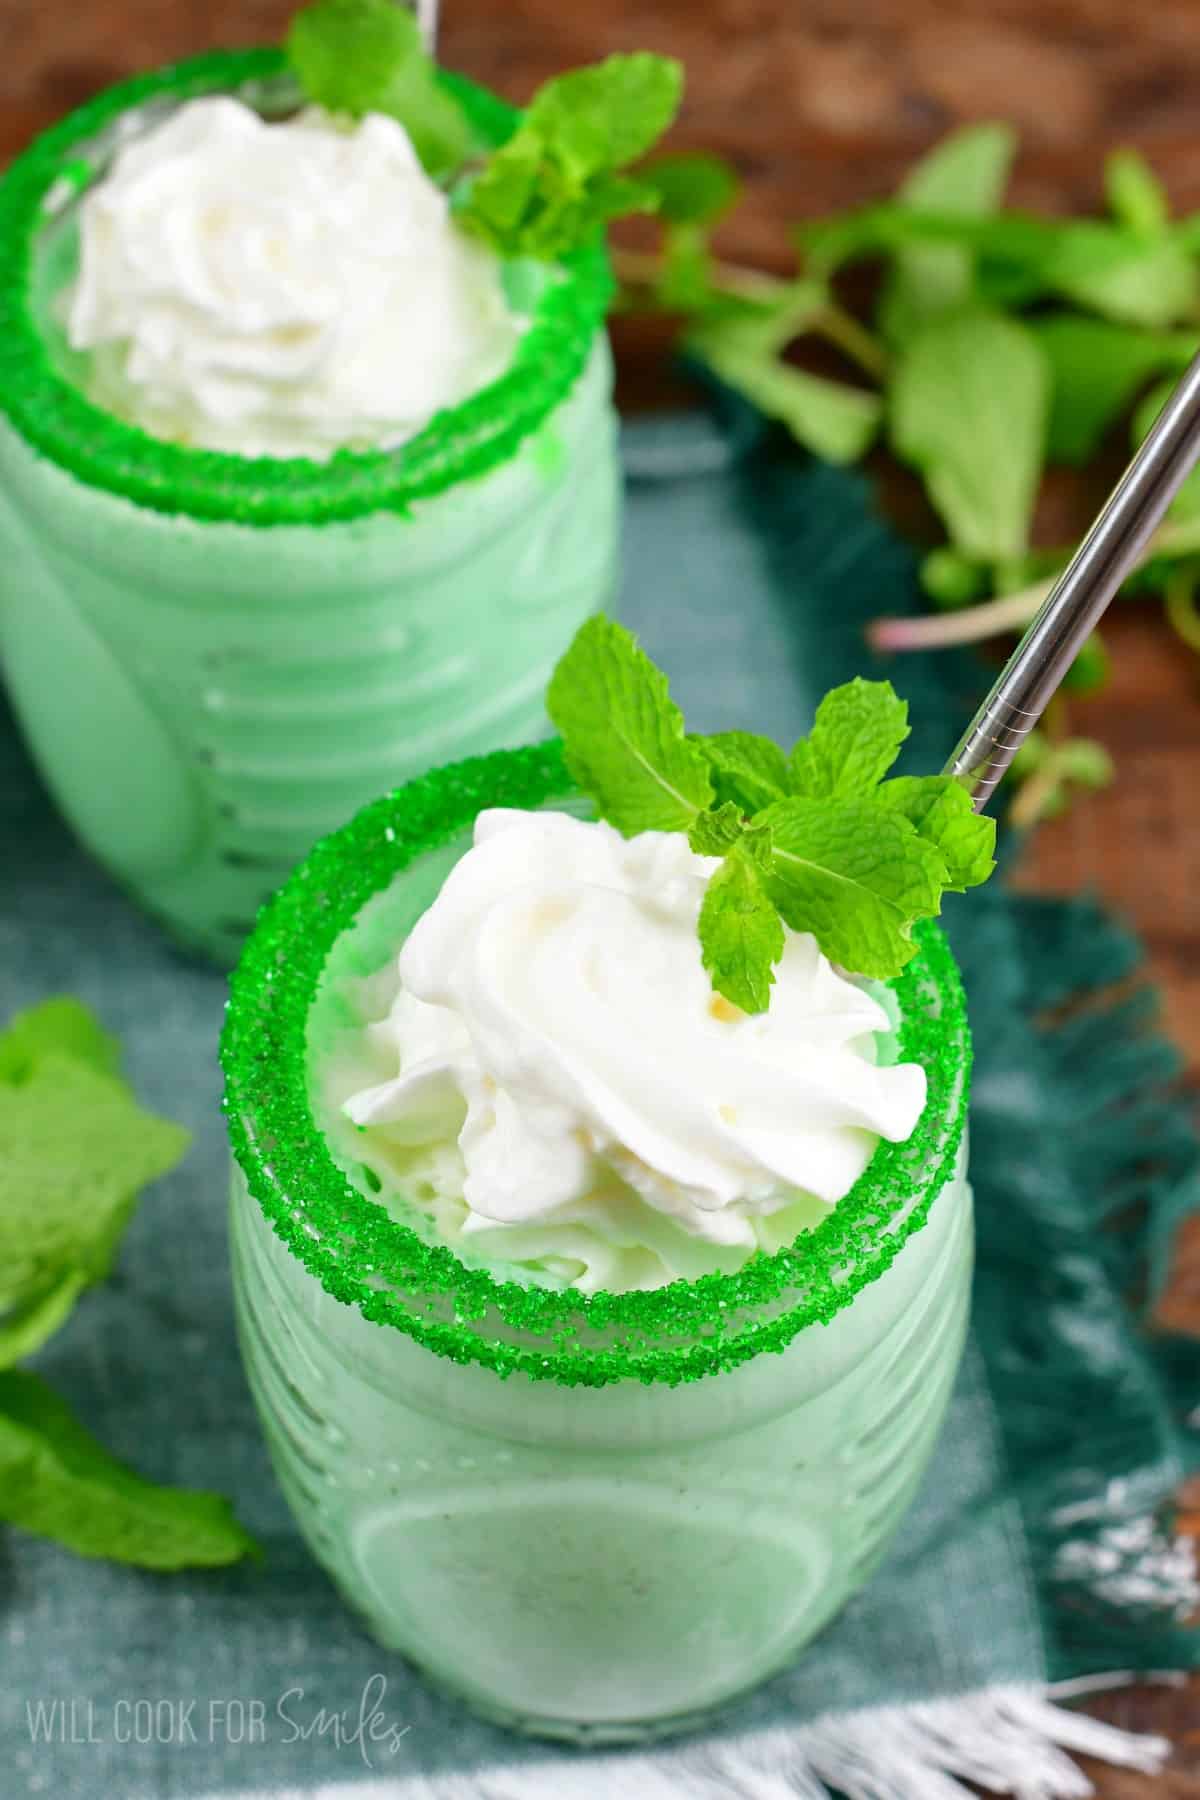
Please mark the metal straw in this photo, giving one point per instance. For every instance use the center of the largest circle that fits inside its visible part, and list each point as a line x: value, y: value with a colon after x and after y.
x: 1078, y: 598
x: 427, y: 19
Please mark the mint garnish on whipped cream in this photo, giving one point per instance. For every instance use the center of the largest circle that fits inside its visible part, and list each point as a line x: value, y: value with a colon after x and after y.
x: 545, y: 1069
x: 558, y: 180
x: 335, y: 279
x: 817, y: 840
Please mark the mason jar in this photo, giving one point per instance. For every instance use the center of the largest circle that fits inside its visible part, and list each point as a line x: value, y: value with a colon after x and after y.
x: 215, y: 659
x: 600, y: 1516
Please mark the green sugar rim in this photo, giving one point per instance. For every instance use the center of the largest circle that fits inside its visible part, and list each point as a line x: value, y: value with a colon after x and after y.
x: 458, y: 444
x: 366, y: 1258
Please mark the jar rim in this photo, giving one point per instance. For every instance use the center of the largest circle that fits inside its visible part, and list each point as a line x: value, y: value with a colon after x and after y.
x: 365, y: 1257
x: 458, y: 444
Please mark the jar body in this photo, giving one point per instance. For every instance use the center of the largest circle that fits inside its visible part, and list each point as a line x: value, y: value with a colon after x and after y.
x: 207, y: 698
x: 602, y: 1564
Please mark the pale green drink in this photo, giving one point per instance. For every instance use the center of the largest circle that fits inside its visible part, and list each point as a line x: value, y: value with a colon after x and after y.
x: 216, y: 659
x: 595, y: 1517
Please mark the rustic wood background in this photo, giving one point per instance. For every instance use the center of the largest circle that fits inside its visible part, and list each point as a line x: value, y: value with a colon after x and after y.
x: 821, y: 105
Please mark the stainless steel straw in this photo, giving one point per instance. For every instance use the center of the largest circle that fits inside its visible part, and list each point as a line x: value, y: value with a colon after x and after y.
x: 427, y: 19
x: 1082, y: 592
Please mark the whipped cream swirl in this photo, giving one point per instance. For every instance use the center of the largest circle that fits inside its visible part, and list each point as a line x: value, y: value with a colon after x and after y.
x: 610, y: 1117
x: 280, y: 289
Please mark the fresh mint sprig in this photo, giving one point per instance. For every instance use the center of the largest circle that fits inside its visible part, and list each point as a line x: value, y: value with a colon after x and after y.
x: 562, y: 175
x: 817, y: 840
x: 77, y: 1150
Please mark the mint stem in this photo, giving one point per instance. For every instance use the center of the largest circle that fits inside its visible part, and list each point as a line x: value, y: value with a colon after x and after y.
x: 992, y: 618
x: 1034, y: 793
x: 641, y: 268
x: 970, y: 625
x: 846, y: 334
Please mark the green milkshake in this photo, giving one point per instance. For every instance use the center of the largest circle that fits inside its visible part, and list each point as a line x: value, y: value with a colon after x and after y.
x: 307, y: 470
x: 602, y: 1239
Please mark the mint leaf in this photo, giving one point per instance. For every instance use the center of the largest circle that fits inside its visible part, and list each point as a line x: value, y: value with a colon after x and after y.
x: 344, y: 52
x: 855, y: 739
x: 963, y: 176
x: 855, y: 874
x: 1126, y: 277
x: 1106, y: 268
x: 741, y: 933
x: 713, y: 833
x: 610, y: 113
x: 1136, y: 197
x: 969, y: 404
x: 1012, y: 249
x: 684, y: 281
x: 829, y: 418
x: 747, y: 770
x: 557, y: 180
x: 623, y: 734
x: 56, y: 1480
x: 692, y: 187
x: 75, y: 1149
x: 29, y: 1324
x: 941, y: 810
x: 360, y: 56
x: 716, y: 833
x: 691, y: 192
x: 63, y: 1025
x: 1097, y: 369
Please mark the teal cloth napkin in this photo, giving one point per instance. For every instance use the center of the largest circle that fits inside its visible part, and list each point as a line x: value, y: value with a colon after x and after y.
x: 1041, y: 1548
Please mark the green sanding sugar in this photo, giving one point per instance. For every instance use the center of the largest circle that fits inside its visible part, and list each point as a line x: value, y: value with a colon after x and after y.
x: 368, y: 1259
x: 458, y: 444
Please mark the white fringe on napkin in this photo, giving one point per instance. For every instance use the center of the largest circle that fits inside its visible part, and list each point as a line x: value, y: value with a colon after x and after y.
x: 1012, y: 1740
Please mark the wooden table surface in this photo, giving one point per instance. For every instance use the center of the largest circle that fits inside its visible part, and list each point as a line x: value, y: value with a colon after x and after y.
x: 821, y: 106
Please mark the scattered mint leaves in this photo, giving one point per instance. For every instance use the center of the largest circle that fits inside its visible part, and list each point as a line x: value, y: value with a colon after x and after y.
x: 998, y: 341
x: 969, y: 404
x: 63, y: 1027
x: 1012, y: 250
x: 819, y: 841
x: 624, y: 734
x: 57, y: 1481
x: 360, y: 56
x: 75, y: 1151
x: 559, y: 178
x: 1097, y: 370
x: 741, y: 932
x: 830, y: 418
x: 855, y: 739
x: 1122, y: 275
